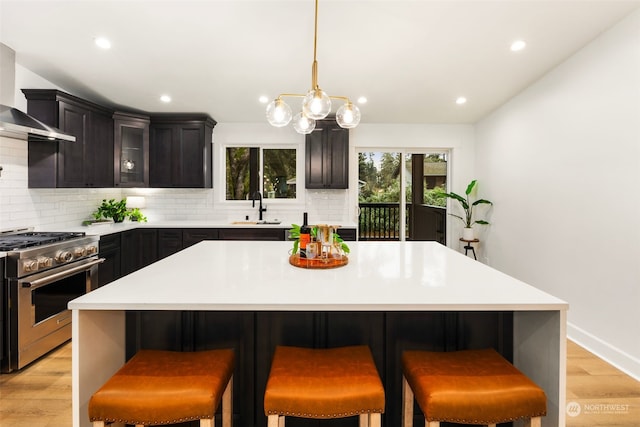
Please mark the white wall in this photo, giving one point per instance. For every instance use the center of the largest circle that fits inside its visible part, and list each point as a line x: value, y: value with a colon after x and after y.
x: 561, y: 162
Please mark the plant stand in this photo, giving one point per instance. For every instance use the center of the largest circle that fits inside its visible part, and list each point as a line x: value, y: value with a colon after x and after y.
x: 469, y: 247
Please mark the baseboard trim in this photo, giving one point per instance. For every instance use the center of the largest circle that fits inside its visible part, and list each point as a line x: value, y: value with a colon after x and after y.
x: 612, y: 355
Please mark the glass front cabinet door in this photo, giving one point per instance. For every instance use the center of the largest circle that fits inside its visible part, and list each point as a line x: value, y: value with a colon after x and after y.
x: 131, y: 144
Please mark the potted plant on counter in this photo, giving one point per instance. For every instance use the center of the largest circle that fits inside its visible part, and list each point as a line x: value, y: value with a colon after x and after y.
x: 117, y: 211
x: 467, y: 207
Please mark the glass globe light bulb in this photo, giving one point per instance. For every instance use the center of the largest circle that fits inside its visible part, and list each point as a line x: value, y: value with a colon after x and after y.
x: 303, y: 124
x: 348, y: 116
x: 278, y: 113
x: 316, y: 104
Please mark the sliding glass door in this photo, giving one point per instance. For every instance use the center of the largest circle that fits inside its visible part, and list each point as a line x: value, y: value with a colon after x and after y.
x: 397, y: 195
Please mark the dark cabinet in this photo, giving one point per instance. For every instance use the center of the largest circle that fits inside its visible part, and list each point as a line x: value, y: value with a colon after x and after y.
x: 88, y: 162
x: 191, y: 236
x: 131, y: 150
x: 3, y: 306
x: 169, y: 241
x: 327, y: 156
x: 109, y: 270
x: 180, y: 151
x: 274, y: 234
x: 139, y: 249
x: 347, y: 234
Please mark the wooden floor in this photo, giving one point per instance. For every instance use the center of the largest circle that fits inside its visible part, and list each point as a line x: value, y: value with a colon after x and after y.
x: 597, y: 393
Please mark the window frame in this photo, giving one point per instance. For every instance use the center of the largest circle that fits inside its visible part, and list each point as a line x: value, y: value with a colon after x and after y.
x: 300, y: 188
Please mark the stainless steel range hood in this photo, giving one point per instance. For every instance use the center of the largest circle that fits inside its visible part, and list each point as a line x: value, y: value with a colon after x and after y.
x: 16, y: 124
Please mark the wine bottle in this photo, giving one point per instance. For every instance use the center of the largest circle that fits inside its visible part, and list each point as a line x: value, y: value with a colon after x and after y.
x: 305, y: 236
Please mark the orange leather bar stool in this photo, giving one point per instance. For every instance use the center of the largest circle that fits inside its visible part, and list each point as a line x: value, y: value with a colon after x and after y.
x: 167, y: 387
x: 468, y: 387
x: 324, y: 383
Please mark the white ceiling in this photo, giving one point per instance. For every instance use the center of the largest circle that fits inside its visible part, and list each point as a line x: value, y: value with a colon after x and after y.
x: 411, y: 59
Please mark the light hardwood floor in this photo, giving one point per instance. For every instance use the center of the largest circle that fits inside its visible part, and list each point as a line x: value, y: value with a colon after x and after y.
x: 601, y: 395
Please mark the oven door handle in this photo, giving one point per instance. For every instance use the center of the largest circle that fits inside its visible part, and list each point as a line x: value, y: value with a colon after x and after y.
x: 61, y: 275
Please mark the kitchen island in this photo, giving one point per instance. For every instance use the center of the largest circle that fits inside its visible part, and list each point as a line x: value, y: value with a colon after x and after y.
x: 392, y: 296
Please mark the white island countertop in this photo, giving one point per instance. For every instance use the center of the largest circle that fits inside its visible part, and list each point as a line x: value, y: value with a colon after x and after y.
x: 386, y: 276
x: 256, y: 276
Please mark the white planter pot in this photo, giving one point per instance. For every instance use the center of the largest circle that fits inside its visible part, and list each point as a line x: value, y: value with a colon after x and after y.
x: 467, y: 233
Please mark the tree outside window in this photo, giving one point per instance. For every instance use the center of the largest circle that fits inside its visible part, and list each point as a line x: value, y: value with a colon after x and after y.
x: 245, y: 166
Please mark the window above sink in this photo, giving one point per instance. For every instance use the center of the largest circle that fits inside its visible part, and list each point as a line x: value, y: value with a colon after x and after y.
x: 246, y: 165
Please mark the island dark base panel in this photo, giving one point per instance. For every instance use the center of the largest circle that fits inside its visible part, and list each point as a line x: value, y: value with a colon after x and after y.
x: 254, y: 336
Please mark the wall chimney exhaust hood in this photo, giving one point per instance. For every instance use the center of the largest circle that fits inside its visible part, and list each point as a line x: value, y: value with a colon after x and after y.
x: 16, y: 124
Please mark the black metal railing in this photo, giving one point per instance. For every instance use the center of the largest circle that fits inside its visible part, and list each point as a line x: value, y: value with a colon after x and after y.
x: 381, y: 221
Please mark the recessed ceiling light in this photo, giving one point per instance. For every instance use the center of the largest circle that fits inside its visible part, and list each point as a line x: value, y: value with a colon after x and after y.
x: 518, y: 45
x: 362, y: 100
x: 165, y: 98
x: 461, y: 100
x: 102, y: 42
x: 263, y: 99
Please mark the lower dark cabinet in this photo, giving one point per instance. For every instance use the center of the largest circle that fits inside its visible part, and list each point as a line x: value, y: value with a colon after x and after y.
x: 347, y: 234
x: 139, y: 249
x: 191, y: 236
x: 264, y: 234
x: 109, y: 249
x: 2, y: 314
x: 169, y: 241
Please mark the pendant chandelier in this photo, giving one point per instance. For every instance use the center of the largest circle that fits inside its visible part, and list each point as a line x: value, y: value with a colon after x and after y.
x: 316, y: 104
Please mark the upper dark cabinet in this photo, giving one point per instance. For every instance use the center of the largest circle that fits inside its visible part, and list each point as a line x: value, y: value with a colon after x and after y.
x: 180, y: 151
x: 131, y: 145
x: 327, y: 156
x: 88, y: 162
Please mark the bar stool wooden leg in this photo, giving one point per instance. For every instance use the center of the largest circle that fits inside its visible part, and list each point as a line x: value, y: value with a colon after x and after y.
x: 431, y: 423
x: 98, y: 424
x: 533, y: 422
x: 227, y: 405
x: 207, y: 422
x: 275, y: 421
x: 371, y: 420
x: 407, y: 404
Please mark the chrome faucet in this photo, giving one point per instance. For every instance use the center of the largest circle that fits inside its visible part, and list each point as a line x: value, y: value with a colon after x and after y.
x: 260, y: 208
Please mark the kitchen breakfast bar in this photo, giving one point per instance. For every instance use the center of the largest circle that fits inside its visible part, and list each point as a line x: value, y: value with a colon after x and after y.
x: 392, y: 296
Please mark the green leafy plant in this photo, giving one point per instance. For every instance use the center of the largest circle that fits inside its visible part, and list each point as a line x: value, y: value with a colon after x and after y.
x: 467, y: 205
x: 117, y: 211
x: 294, y: 233
x: 135, y: 215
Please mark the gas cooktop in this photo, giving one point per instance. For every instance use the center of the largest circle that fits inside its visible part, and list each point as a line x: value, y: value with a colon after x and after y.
x: 13, y: 242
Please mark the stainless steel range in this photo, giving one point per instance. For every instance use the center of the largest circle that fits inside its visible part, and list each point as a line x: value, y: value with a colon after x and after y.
x: 43, y: 272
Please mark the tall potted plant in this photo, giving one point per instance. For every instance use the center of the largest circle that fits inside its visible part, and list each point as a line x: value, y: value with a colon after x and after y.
x: 467, y: 207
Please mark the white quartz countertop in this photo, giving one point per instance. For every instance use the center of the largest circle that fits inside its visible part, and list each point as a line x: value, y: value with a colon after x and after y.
x: 380, y: 276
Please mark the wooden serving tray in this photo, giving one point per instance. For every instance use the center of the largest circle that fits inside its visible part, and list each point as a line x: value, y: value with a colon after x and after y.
x: 318, y: 263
